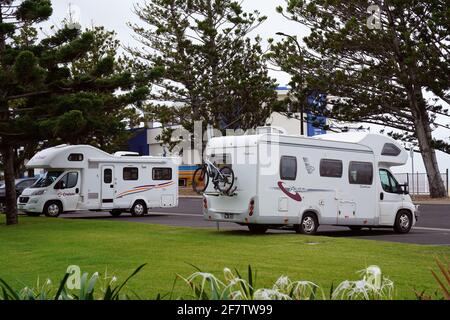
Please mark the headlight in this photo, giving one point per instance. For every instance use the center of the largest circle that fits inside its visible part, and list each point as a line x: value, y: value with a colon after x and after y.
x: 38, y: 193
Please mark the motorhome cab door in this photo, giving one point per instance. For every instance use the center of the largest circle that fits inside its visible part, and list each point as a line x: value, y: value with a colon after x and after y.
x: 391, y: 197
x: 107, y: 187
x: 68, y: 190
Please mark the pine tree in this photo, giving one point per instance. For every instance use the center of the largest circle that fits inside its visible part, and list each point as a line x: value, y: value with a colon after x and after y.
x: 60, y: 89
x: 379, y: 61
x: 213, y: 72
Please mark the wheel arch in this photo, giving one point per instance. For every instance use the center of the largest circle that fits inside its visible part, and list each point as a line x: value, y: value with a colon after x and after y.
x: 312, y: 211
x: 54, y: 201
x: 403, y: 210
x: 138, y: 199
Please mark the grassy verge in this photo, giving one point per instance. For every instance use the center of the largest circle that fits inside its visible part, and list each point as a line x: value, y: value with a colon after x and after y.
x: 45, y: 247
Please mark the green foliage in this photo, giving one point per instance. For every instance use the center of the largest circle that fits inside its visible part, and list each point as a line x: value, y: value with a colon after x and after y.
x: 212, y: 71
x: 206, y: 286
x: 87, y: 291
x: 26, y: 68
x: 34, y: 10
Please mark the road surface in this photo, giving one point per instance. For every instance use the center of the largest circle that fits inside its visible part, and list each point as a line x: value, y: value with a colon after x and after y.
x: 433, y: 227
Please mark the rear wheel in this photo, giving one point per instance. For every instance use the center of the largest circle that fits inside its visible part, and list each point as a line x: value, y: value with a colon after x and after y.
x: 115, y: 213
x: 139, y: 209
x: 200, y: 180
x: 226, y: 180
x: 53, y: 209
x: 308, y: 225
x: 403, y: 222
x: 257, y: 229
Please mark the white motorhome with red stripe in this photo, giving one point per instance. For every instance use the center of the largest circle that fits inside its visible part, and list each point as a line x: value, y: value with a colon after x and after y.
x: 300, y: 182
x: 81, y: 177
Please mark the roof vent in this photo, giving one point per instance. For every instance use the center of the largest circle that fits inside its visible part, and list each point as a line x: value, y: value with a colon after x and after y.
x: 126, y: 154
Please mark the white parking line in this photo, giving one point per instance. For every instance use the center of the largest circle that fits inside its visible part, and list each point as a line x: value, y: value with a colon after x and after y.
x: 431, y: 229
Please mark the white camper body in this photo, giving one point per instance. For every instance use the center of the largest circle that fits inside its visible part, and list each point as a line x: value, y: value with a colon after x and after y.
x: 81, y: 177
x: 293, y: 181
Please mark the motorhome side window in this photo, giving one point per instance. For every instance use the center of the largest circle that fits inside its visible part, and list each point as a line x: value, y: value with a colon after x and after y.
x: 69, y: 180
x: 360, y: 173
x: 162, y: 174
x: 288, y: 168
x: 76, y: 157
x: 107, y: 176
x: 388, y: 182
x: 331, y: 168
x: 130, y: 173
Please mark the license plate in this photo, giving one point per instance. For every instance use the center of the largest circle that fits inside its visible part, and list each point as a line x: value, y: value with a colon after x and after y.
x: 228, y: 216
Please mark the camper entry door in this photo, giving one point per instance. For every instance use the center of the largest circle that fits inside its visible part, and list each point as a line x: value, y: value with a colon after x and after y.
x: 108, y: 187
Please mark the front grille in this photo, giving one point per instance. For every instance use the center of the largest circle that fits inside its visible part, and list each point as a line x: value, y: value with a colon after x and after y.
x: 24, y: 199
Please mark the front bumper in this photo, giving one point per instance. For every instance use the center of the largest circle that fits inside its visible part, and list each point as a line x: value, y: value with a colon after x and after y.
x: 32, y: 204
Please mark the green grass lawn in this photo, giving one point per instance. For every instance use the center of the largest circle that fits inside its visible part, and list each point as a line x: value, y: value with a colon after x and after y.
x: 45, y: 247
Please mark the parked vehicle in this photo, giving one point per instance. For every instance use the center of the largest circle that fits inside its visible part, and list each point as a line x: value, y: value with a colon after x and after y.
x: 299, y: 182
x: 21, y: 184
x: 82, y: 177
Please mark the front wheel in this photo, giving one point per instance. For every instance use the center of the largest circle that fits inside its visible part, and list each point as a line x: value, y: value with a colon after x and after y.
x: 226, y: 179
x: 308, y: 225
x: 200, y: 180
x: 53, y: 209
x: 139, y: 209
x: 403, y: 222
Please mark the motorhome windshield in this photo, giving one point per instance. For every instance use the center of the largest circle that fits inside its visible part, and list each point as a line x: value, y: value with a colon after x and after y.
x: 48, y: 178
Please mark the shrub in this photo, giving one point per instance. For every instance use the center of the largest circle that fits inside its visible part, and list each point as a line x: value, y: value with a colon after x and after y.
x: 206, y: 286
x: 45, y: 291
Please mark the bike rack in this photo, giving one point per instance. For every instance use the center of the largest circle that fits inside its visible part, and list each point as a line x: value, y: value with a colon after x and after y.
x: 232, y: 193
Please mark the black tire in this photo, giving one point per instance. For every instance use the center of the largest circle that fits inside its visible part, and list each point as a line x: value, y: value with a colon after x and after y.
x: 403, y: 222
x: 139, y: 209
x: 355, y: 229
x: 115, y: 213
x: 228, y: 182
x: 308, y: 225
x: 257, y: 229
x: 33, y: 214
x: 53, y: 209
x: 200, y: 180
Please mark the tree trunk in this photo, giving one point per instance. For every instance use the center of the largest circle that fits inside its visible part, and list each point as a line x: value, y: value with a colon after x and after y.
x: 424, y: 137
x: 10, y: 185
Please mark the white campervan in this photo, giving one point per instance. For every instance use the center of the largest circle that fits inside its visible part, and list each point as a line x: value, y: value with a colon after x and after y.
x: 300, y: 182
x: 81, y: 177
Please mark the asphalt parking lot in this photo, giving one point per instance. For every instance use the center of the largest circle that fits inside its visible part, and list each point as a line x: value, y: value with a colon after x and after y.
x: 433, y: 227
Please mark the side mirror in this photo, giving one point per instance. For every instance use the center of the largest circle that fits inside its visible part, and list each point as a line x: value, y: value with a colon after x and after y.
x: 405, y: 188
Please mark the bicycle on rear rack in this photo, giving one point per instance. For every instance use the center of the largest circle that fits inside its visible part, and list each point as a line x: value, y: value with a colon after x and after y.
x: 222, y: 179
